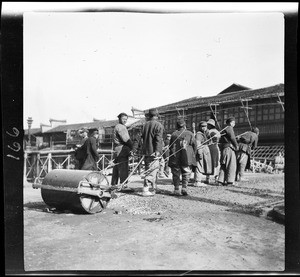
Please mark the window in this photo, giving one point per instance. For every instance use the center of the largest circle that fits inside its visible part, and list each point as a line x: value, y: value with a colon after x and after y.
x: 271, y: 113
x: 265, y: 113
x: 252, y: 115
x: 236, y: 115
x: 259, y: 113
x: 242, y: 117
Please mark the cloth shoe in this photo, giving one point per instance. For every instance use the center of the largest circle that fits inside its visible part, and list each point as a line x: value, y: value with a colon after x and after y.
x: 146, y: 192
x: 184, y: 191
x: 177, y: 192
x: 199, y: 184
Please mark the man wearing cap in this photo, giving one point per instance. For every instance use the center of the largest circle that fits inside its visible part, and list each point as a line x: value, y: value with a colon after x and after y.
x: 80, y: 153
x: 203, y: 158
x: 247, y: 142
x: 214, y: 137
x: 182, y: 156
x: 152, y: 149
x: 90, y: 148
x: 228, y: 146
x: 122, y: 147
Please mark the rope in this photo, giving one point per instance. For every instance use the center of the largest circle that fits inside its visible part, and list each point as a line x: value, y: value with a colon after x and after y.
x: 119, y: 187
x: 168, y: 146
x: 198, y: 147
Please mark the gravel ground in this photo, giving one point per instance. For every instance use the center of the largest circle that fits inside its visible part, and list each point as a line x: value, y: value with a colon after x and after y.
x: 258, y: 196
x: 213, y: 228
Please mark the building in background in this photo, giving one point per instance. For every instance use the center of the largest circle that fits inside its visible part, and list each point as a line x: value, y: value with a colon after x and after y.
x: 262, y: 107
x: 65, y: 136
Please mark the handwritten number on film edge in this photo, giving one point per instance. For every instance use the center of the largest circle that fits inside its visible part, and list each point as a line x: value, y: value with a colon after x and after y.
x: 16, y: 146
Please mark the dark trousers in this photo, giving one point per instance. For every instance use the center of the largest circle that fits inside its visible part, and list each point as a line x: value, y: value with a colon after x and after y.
x: 184, y: 171
x: 242, y: 159
x: 153, y: 166
x: 121, y: 170
x: 228, y: 166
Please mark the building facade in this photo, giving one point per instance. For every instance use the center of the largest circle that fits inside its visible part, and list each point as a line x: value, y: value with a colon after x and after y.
x: 263, y: 108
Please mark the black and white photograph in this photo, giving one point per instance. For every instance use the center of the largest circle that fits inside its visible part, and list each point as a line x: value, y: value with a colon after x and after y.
x: 150, y: 137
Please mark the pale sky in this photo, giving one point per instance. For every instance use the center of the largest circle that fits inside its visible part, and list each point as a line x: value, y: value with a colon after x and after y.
x: 80, y: 66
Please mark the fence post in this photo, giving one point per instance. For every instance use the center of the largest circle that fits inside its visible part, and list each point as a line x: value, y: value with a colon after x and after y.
x: 38, y: 156
x: 69, y: 157
x: 25, y: 167
x: 103, y: 162
x: 49, y: 162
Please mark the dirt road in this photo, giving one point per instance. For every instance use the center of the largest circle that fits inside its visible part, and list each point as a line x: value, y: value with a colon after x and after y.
x: 214, y: 228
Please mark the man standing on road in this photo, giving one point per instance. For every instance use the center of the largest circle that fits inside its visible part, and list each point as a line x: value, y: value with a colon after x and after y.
x: 203, y: 157
x: 228, y: 146
x: 122, y: 147
x: 80, y: 153
x: 214, y: 136
x: 152, y: 149
x: 90, y: 148
x: 247, y: 142
x: 182, y: 156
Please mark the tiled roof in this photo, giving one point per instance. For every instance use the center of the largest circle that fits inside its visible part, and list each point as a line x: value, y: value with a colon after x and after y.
x: 89, y: 125
x: 234, y: 87
x: 32, y: 131
x: 266, y: 92
x: 77, y: 126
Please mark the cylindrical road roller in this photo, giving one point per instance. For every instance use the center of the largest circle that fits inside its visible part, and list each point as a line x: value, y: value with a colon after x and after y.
x: 80, y: 191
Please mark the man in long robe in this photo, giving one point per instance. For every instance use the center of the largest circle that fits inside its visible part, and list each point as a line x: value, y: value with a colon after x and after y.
x: 228, y: 146
x: 214, y: 137
x: 152, y: 149
x: 203, y: 156
x: 92, y: 156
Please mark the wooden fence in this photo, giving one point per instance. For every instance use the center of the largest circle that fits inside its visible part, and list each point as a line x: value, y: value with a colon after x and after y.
x: 38, y: 163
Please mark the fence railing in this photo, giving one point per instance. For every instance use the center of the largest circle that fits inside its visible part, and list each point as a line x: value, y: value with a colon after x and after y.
x: 38, y: 163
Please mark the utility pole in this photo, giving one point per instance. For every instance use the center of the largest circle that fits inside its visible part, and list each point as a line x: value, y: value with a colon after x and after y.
x: 29, y: 122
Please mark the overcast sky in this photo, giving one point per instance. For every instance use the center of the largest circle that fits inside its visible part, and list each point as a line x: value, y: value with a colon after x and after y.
x: 80, y: 66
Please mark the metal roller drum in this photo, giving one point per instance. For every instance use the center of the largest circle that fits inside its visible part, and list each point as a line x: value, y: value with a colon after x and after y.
x: 80, y: 191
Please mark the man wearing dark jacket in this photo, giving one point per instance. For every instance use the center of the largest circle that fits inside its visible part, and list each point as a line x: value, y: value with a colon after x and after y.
x: 122, y: 146
x: 182, y: 156
x: 152, y: 149
x: 90, y: 148
x: 247, y: 142
x: 80, y: 153
x: 228, y: 146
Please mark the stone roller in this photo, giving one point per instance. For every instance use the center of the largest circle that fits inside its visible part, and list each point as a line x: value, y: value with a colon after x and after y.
x: 80, y: 191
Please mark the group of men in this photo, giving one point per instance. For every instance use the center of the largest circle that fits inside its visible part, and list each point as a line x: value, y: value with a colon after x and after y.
x: 86, y: 152
x: 208, y: 153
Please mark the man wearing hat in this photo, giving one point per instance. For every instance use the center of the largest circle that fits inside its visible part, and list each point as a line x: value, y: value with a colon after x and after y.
x: 90, y: 148
x: 152, y: 148
x: 214, y: 137
x: 247, y: 142
x: 182, y: 156
x: 203, y: 157
x: 122, y: 147
x: 228, y: 146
